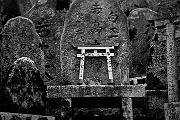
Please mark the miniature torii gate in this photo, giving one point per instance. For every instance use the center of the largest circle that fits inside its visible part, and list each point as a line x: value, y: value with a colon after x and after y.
x: 95, y: 53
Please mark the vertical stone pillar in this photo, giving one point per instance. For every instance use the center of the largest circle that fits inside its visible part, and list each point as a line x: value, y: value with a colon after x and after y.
x: 127, y: 108
x: 127, y: 102
x: 171, y: 64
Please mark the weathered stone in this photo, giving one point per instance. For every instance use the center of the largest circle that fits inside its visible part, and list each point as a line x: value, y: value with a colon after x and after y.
x: 141, y: 31
x: 94, y: 23
x: 128, y: 5
x: 19, y: 39
x: 18, y: 116
x: 25, y: 88
x: 155, y: 100
x: 171, y: 64
x: 49, y: 25
x: 172, y: 111
x: 165, y: 8
x: 159, y: 62
x: 96, y: 91
x: 127, y: 108
x: 25, y: 5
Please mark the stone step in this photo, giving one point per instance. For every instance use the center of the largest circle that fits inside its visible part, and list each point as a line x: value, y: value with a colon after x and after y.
x: 96, y: 91
x: 19, y: 116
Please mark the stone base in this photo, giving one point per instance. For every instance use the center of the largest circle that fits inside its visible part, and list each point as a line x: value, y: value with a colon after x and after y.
x: 172, y: 111
x: 18, y: 116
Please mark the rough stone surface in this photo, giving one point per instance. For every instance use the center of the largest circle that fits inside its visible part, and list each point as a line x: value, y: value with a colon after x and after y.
x: 159, y: 45
x: 141, y: 32
x: 155, y: 104
x: 25, y: 88
x: 17, y: 116
x: 25, y: 5
x: 172, y: 111
x: 158, y: 65
x: 96, y: 91
x: 19, y: 39
x: 165, y: 8
x: 94, y: 23
x: 49, y: 24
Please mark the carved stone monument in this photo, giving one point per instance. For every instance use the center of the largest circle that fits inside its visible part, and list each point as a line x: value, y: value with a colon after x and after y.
x: 48, y: 23
x: 20, y: 39
x: 95, y: 23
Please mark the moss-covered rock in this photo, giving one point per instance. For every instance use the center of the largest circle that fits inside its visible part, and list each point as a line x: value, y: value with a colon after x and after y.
x: 24, y: 88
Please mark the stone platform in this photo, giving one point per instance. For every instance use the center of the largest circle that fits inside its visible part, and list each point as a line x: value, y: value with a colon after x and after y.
x: 96, y: 91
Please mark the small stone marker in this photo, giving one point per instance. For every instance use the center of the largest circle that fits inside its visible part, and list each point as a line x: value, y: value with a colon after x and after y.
x: 20, y: 39
x: 94, y: 22
x: 18, y: 116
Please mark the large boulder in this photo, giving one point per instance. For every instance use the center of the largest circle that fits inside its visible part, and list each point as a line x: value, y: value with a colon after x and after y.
x: 24, y: 88
x: 20, y: 39
x: 94, y: 22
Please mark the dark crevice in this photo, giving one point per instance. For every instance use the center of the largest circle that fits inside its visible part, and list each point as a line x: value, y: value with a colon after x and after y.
x: 127, y: 12
x: 132, y: 33
x: 62, y: 4
x: 154, y: 83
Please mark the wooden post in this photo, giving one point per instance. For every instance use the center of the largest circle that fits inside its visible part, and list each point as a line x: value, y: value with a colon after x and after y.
x: 171, y: 64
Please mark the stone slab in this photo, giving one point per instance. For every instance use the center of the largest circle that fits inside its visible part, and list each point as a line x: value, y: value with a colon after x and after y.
x: 20, y: 39
x: 172, y: 111
x: 48, y: 22
x: 141, y: 30
x: 94, y: 22
x: 19, y: 116
x: 96, y: 91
